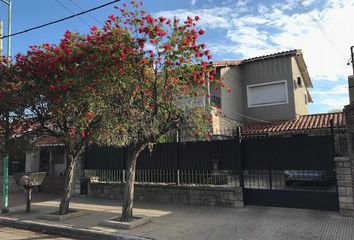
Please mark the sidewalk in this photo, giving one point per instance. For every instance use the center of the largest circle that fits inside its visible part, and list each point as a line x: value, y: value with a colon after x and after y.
x: 195, y: 222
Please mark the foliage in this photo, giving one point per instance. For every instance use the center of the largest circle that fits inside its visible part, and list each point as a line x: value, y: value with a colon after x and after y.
x: 13, y: 139
x: 162, y: 82
x: 63, y: 86
x: 128, y: 84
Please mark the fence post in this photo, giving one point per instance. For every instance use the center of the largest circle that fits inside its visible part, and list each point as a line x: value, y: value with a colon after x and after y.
x: 178, y: 148
x: 123, y: 180
x: 239, y: 142
x: 178, y: 177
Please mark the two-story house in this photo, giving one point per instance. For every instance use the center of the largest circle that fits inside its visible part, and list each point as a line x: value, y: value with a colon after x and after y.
x: 268, y: 88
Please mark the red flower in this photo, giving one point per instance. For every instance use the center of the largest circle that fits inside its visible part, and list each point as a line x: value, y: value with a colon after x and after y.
x: 141, y: 43
x: 94, y: 29
x: 89, y: 115
x: 52, y: 87
x: 197, y: 18
x: 201, y: 31
x: 149, y: 19
x: 83, y: 134
x: 112, y: 17
x: 162, y: 19
x: 13, y: 86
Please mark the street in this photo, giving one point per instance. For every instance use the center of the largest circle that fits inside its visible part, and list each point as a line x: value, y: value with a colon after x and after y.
x: 16, y: 234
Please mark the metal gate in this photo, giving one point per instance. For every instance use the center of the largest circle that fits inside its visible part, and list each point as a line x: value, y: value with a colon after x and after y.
x: 296, y: 171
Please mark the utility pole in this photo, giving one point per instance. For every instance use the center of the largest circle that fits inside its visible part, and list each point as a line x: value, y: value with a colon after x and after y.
x: 352, y: 57
x: 1, y: 26
x: 5, y: 189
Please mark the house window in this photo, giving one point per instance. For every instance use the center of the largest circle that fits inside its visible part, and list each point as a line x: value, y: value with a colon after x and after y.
x: 299, y: 82
x: 306, y: 100
x: 267, y: 94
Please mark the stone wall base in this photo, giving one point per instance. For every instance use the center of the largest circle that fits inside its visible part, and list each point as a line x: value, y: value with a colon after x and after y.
x: 346, y: 212
x: 190, y: 195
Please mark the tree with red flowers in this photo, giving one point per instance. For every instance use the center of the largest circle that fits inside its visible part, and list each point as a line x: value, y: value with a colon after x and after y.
x: 13, y: 139
x: 162, y: 87
x: 127, y: 84
x: 63, y: 87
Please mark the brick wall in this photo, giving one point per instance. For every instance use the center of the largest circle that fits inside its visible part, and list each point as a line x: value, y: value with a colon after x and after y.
x: 345, y: 186
x: 190, y: 195
x: 345, y: 167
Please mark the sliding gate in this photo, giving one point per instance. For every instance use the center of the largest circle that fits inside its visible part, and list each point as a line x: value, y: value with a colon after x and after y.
x: 295, y: 171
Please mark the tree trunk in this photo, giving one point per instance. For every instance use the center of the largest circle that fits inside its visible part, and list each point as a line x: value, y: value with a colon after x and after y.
x: 133, y: 153
x: 69, y: 179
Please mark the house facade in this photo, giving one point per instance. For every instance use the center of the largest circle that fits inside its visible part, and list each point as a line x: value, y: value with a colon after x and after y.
x: 264, y: 89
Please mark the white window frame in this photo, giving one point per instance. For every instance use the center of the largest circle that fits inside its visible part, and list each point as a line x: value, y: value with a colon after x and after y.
x: 265, y: 84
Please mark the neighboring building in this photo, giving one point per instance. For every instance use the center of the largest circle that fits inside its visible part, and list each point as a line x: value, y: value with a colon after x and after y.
x: 267, y: 88
x: 47, y: 155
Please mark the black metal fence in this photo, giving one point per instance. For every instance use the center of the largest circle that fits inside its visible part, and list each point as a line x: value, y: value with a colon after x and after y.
x: 202, y: 155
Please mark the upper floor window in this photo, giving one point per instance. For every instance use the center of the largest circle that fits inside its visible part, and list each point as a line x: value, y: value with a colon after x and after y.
x: 267, y: 94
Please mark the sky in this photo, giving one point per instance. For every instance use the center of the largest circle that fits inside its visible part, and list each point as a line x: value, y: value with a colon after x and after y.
x: 235, y: 29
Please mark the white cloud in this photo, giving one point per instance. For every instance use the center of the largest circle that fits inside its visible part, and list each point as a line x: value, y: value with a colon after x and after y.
x: 338, y: 102
x: 193, y: 2
x: 337, y: 90
x: 335, y: 97
x: 210, y: 17
x: 324, y: 34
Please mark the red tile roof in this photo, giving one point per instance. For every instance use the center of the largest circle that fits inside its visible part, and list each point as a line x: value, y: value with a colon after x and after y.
x: 304, y: 122
x: 226, y: 63
x: 238, y: 62
x: 278, y: 54
x: 48, y: 141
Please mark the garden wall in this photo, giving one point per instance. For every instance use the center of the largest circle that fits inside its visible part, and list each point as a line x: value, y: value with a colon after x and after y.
x: 191, y: 195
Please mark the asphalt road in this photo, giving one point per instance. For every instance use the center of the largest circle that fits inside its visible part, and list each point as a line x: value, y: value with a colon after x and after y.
x: 16, y: 234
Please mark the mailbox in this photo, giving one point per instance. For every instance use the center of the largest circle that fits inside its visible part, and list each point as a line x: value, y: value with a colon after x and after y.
x: 28, y: 181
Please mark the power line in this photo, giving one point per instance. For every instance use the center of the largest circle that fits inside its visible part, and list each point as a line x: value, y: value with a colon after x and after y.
x: 60, y: 20
x: 320, y: 27
x: 69, y: 10
x: 93, y: 17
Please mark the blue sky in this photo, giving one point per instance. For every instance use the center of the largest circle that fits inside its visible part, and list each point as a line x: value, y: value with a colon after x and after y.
x: 236, y: 29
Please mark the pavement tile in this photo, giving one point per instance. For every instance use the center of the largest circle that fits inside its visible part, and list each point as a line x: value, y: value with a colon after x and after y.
x: 173, y: 221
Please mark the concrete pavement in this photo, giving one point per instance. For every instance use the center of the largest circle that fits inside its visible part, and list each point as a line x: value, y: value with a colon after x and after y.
x: 16, y: 234
x: 196, y: 222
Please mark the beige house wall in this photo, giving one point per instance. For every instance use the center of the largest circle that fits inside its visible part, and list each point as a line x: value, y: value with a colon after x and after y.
x: 300, y: 91
x: 232, y: 102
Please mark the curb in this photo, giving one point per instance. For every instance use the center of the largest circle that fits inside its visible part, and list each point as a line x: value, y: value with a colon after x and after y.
x: 66, y: 231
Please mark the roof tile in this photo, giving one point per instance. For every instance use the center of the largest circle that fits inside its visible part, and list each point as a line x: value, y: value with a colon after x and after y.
x: 304, y: 122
